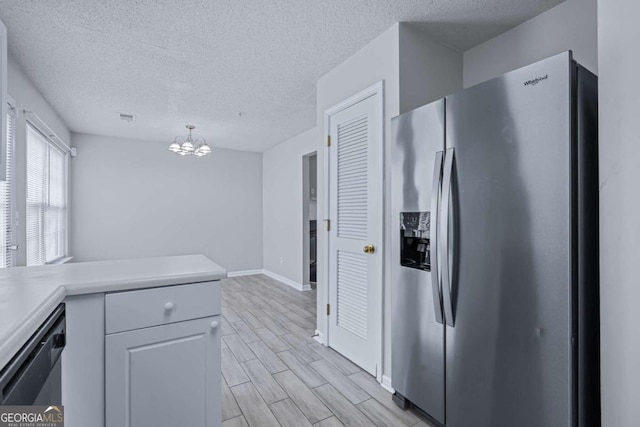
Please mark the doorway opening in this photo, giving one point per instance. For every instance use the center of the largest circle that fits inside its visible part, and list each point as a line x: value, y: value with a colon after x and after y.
x: 310, y: 218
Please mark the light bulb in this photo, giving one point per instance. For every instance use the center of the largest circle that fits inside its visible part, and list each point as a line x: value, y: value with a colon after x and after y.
x: 187, y: 147
x: 175, y: 147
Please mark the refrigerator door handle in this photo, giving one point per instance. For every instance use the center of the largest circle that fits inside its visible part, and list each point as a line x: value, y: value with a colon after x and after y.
x: 444, y: 242
x: 433, y: 235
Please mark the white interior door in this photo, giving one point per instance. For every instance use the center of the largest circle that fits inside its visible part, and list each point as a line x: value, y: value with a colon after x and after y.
x: 355, y: 235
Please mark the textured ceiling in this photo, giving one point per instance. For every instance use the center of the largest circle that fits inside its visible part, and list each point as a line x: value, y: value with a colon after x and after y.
x: 172, y: 62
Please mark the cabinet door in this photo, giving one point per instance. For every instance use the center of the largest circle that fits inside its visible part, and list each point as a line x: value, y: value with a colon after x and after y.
x: 167, y: 375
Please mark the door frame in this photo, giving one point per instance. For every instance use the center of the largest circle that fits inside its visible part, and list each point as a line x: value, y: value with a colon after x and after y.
x: 373, y: 90
x: 306, y: 214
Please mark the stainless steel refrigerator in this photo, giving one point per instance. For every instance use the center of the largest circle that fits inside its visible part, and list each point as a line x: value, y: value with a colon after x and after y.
x: 494, y: 216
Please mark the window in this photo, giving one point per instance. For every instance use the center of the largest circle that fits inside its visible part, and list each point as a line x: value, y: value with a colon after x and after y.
x: 6, y: 198
x: 46, y: 219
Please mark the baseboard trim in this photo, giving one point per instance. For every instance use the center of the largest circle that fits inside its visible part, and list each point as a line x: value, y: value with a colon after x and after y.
x: 244, y: 273
x: 286, y: 281
x: 386, y: 384
x: 319, y: 336
x: 275, y: 276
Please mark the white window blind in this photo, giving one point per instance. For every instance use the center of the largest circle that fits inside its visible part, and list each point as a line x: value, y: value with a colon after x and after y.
x: 46, y: 219
x: 6, y: 197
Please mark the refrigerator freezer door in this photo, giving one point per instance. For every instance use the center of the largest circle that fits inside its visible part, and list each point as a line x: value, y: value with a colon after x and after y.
x: 508, y: 355
x: 417, y: 356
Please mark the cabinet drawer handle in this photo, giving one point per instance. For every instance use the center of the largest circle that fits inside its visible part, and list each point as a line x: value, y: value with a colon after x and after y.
x: 168, y: 306
x: 214, y: 324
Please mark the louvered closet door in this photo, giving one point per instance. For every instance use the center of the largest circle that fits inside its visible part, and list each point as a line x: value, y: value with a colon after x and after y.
x: 355, y: 277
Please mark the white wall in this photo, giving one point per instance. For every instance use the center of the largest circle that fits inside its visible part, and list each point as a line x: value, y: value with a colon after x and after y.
x: 428, y: 70
x: 137, y: 199
x: 619, y: 109
x: 571, y: 25
x: 27, y: 97
x: 282, y: 184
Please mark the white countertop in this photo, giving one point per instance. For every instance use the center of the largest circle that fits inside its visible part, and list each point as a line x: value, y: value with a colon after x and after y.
x: 29, y: 294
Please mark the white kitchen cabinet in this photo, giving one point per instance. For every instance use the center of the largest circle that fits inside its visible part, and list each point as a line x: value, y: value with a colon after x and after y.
x: 166, y: 375
x: 162, y: 357
x: 144, y: 357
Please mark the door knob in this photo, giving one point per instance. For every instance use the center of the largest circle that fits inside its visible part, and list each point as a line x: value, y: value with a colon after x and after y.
x: 369, y: 249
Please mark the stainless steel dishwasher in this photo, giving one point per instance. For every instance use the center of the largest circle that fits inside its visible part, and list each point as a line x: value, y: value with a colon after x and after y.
x: 33, y: 376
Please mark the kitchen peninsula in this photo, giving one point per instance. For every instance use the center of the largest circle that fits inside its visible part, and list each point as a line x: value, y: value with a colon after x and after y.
x: 142, y: 336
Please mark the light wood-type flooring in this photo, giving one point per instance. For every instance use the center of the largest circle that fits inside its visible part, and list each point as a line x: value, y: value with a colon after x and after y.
x: 276, y: 374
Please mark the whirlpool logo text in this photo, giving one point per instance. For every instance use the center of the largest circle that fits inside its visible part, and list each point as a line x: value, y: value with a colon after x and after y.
x: 536, y: 80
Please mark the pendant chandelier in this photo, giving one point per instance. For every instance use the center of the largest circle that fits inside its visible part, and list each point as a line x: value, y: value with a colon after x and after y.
x: 188, y: 146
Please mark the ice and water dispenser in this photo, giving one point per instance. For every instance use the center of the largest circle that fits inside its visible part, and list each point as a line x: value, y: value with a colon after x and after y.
x: 415, y: 248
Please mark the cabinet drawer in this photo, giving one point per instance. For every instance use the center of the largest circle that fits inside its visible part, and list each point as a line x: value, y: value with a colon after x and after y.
x: 125, y: 311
